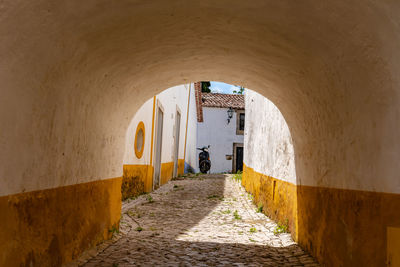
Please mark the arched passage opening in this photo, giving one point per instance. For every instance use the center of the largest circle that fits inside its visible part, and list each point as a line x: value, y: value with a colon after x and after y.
x: 74, y: 74
x: 268, y: 167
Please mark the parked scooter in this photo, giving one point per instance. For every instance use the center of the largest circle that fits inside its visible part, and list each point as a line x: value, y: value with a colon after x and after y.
x: 204, y: 159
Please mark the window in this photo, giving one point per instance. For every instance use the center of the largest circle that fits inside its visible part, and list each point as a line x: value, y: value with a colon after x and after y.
x: 139, y: 140
x: 240, y: 118
x: 241, y: 121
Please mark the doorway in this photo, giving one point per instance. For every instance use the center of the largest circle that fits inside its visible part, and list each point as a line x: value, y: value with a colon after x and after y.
x: 237, y: 157
x: 158, y: 148
x: 176, y: 147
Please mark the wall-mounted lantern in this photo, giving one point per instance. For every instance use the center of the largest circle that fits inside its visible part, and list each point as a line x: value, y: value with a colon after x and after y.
x: 228, y: 157
x: 230, y: 114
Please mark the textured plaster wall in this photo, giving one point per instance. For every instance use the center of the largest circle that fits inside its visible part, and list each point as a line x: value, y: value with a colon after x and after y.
x: 171, y: 99
x: 144, y: 114
x: 216, y: 132
x: 268, y: 143
x: 191, y: 152
x: 73, y: 74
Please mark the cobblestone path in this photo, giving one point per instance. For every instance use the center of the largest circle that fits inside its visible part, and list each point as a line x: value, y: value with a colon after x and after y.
x: 206, y: 220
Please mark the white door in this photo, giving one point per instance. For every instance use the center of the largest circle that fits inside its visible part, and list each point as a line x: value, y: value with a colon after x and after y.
x: 158, y: 146
x: 176, y: 148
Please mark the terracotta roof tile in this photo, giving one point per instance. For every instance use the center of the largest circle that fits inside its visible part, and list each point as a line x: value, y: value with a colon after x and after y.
x: 223, y: 100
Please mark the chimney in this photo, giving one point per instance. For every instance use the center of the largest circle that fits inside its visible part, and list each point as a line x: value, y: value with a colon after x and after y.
x: 199, y: 106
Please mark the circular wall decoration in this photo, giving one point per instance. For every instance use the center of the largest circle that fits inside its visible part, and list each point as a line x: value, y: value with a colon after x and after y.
x: 139, y: 140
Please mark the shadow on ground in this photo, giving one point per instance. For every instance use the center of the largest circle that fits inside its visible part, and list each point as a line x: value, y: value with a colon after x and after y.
x: 181, y: 225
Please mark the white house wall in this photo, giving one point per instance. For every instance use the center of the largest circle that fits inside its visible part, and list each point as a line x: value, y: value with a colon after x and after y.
x: 145, y: 114
x: 191, y: 153
x: 216, y: 132
x: 170, y: 100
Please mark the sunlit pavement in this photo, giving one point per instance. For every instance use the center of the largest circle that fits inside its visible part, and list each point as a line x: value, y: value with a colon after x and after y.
x: 206, y: 220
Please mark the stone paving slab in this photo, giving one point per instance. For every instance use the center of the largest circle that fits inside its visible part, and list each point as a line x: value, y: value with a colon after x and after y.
x: 206, y: 220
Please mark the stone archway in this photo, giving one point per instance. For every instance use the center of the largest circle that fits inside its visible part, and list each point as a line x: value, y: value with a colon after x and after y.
x: 74, y: 73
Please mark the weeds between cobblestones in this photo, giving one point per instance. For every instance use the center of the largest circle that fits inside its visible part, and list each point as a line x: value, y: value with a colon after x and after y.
x: 198, y: 220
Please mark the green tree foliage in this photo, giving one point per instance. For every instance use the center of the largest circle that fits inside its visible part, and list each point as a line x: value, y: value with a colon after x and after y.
x: 240, y: 91
x: 205, y: 87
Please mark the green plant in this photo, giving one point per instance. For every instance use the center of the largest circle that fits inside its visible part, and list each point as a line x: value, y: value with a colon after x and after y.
x: 149, y: 198
x: 260, y: 207
x: 228, y: 211
x: 132, y: 214
x: 113, y: 230
x: 253, y: 230
x: 238, y: 176
x: 205, y: 87
x: 240, y: 91
x: 252, y: 240
x: 236, y: 215
x: 190, y: 170
x: 139, y: 229
x: 282, y: 227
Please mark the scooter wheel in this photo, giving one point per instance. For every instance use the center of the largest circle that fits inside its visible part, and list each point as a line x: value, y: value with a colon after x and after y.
x: 204, y: 167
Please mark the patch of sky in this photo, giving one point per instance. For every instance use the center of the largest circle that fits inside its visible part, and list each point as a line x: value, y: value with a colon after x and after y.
x: 222, y: 88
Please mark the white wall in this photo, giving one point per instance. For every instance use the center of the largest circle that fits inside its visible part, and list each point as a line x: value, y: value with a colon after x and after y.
x: 191, y: 153
x: 145, y: 114
x: 216, y: 132
x: 70, y: 85
x: 171, y: 99
x: 268, y: 143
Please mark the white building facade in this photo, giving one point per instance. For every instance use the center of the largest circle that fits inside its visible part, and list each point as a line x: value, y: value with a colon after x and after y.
x: 224, y: 135
x: 160, y: 140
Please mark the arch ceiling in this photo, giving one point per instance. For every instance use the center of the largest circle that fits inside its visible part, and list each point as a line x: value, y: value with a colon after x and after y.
x: 74, y: 73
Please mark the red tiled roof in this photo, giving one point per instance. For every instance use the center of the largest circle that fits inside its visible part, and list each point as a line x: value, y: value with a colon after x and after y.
x: 223, y: 100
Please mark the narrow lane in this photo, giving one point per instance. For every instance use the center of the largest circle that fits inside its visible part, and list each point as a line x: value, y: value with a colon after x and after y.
x: 206, y: 220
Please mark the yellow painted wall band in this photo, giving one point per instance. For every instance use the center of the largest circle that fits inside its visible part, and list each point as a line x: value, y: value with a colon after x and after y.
x: 137, y: 179
x: 278, y: 197
x: 40, y: 228
x: 319, y: 218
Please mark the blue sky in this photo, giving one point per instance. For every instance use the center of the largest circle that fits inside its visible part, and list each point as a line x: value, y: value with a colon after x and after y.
x: 223, y: 88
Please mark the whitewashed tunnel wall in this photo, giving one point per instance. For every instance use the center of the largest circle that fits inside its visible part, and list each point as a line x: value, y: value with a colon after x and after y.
x: 74, y: 73
x: 268, y: 143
